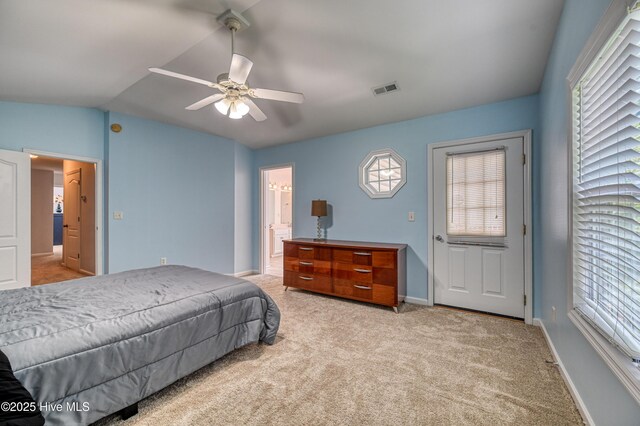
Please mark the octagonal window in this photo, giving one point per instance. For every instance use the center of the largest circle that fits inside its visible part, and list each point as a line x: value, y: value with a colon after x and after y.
x: 382, y: 173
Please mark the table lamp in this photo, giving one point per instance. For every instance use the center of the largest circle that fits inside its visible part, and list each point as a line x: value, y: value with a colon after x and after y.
x: 319, y: 209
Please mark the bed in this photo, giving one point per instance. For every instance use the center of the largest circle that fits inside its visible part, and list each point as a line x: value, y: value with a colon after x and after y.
x: 97, y: 345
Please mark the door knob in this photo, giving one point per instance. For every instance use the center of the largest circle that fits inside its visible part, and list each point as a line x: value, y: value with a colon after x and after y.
x: 65, y: 226
x: 439, y: 238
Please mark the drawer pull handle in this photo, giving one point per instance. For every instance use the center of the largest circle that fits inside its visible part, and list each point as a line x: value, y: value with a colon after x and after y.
x: 305, y: 278
x: 306, y: 248
x: 307, y: 263
x: 363, y: 271
x: 361, y: 253
x: 362, y: 287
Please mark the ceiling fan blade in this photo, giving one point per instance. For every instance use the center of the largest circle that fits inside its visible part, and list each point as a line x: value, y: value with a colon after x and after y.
x: 240, y: 68
x: 182, y: 77
x: 254, y: 111
x: 277, y: 95
x: 204, y: 102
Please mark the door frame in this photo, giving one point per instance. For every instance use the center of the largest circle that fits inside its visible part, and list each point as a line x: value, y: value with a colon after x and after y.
x: 99, y: 199
x: 262, y: 212
x: 528, y: 237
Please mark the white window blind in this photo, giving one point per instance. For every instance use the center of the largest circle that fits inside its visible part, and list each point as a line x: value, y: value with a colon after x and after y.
x: 606, y: 188
x: 476, y: 194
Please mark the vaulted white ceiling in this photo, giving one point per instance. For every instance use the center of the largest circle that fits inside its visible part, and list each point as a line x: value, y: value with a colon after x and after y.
x: 444, y: 55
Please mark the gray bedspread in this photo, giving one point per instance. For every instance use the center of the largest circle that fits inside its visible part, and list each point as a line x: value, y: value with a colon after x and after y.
x: 96, y: 345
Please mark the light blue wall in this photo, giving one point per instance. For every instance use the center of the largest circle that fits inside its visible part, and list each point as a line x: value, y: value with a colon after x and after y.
x: 327, y: 168
x: 176, y: 190
x: 244, y: 207
x: 52, y: 128
x: 180, y: 190
x: 606, y: 399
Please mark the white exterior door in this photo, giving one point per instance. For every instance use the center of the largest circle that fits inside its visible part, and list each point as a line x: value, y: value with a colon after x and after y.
x: 478, y: 229
x: 15, y: 220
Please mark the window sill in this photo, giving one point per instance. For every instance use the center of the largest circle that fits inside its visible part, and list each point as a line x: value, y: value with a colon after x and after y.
x: 618, y: 362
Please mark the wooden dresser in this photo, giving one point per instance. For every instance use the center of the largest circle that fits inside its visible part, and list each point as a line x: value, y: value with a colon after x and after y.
x: 369, y: 272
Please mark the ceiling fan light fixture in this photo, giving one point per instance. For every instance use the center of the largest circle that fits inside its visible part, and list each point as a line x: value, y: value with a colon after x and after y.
x: 223, y: 106
x: 241, y: 107
x: 233, y: 111
x: 235, y: 97
x: 238, y: 109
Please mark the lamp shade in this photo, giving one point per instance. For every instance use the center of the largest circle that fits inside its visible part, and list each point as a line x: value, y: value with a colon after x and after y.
x: 319, y: 208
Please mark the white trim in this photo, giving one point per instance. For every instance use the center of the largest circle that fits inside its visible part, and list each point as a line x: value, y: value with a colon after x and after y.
x: 582, y: 407
x: 261, y: 212
x: 99, y: 198
x: 50, y: 253
x: 620, y: 364
x: 417, y: 301
x: 614, y: 14
x: 245, y: 273
x: 528, y: 238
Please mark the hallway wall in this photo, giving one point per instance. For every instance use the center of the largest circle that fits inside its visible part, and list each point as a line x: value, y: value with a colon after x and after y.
x: 41, y: 212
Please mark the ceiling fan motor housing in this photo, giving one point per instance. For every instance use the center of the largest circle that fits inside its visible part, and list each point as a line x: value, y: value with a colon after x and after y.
x: 233, y: 20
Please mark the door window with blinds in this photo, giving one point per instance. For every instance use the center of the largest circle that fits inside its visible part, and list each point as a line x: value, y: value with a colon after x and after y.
x: 476, y: 194
x: 606, y: 190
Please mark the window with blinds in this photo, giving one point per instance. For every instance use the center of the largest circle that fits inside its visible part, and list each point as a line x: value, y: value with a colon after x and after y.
x: 606, y: 188
x: 476, y: 194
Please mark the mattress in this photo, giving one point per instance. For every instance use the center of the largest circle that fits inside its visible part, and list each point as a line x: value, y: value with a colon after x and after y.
x: 90, y: 347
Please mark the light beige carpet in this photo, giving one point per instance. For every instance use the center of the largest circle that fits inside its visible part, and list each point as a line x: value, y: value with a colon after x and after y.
x: 339, y: 362
x: 49, y: 269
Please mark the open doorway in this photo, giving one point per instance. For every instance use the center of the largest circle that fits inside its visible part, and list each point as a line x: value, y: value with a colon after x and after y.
x: 276, y: 216
x: 63, y: 219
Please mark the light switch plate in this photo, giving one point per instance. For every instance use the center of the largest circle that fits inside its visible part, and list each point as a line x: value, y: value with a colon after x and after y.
x: 117, y: 215
x: 412, y: 216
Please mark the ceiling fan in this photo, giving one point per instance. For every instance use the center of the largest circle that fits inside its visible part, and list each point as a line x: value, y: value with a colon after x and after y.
x: 235, y: 97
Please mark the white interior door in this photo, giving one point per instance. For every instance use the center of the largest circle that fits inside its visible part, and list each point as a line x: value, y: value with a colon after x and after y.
x: 15, y: 215
x: 478, y: 229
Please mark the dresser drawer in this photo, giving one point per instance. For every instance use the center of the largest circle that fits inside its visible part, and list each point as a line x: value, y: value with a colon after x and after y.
x: 365, y: 274
x: 357, y: 257
x: 384, y: 259
x: 353, y: 272
x: 377, y: 258
x: 381, y: 294
x: 307, y: 251
x: 307, y: 266
x: 308, y: 281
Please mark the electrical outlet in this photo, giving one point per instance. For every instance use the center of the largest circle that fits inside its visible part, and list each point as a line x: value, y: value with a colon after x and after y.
x: 412, y: 216
x: 553, y: 313
x: 118, y: 215
x: 163, y: 260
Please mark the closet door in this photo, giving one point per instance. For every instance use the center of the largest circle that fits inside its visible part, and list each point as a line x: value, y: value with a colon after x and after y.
x: 15, y: 220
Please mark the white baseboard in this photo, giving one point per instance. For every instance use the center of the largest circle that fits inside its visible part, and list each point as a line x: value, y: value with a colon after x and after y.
x: 42, y: 254
x: 416, y: 301
x: 245, y: 273
x: 582, y: 408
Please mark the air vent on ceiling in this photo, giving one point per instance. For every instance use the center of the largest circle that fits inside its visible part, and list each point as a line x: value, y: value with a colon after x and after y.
x: 385, y: 88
